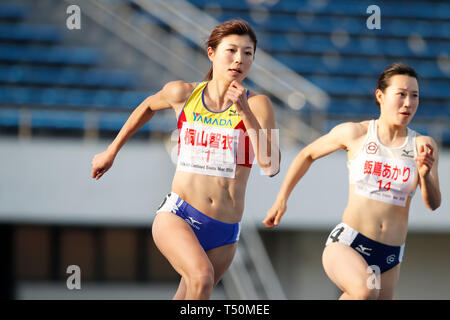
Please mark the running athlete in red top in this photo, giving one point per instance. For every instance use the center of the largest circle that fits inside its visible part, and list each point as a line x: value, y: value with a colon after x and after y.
x: 220, y: 130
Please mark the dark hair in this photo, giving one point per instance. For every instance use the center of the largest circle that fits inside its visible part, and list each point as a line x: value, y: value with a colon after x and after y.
x: 392, y: 70
x: 234, y: 26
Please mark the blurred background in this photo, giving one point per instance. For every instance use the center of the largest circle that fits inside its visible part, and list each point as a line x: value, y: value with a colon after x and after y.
x: 66, y: 92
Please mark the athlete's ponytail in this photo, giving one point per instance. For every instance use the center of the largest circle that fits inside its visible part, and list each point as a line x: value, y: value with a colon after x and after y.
x: 235, y: 26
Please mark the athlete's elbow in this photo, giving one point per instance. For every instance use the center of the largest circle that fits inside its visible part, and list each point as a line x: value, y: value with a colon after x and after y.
x: 271, y: 169
x: 273, y: 173
x: 433, y: 207
x: 271, y: 166
x: 434, y: 204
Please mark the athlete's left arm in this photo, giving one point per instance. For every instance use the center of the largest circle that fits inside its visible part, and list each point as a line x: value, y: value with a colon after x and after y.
x: 427, y: 165
x: 257, y: 113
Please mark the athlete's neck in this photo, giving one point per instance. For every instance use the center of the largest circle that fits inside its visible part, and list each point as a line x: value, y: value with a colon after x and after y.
x: 390, y: 134
x: 215, y: 95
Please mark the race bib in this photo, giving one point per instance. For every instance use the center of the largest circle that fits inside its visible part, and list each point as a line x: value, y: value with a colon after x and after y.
x: 387, y: 180
x: 208, y: 150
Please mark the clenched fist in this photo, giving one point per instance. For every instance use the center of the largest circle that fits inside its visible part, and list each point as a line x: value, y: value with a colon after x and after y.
x: 425, y: 159
x: 101, y: 163
x: 275, y: 213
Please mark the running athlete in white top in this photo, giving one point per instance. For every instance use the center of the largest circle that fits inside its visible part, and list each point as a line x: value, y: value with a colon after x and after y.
x: 386, y: 163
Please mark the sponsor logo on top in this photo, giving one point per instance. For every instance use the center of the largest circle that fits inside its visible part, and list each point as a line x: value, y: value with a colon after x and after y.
x: 371, y: 148
x: 211, y: 121
x: 407, y: 153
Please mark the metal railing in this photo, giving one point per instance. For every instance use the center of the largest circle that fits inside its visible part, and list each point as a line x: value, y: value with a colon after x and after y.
x: 251, y: 276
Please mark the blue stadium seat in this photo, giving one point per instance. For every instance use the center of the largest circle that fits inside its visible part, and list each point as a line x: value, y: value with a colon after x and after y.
x: 335, y: 85
x: 114, y: 121
x: 57, y: 119
x: 365, y: 105
x: 311, y: 23
x: 66, y: 76
x: 9, y: 117
x: 416, y: 9
x: 28, y: 32
x: 71, y: 97
x: 354, y: 66
x: 49, y: 55
x: 323, y: 43
x: 13, y: 11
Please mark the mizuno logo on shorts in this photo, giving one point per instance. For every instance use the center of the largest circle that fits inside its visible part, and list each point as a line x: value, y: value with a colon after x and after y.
x: 363, y: 249
x: 192, y: 222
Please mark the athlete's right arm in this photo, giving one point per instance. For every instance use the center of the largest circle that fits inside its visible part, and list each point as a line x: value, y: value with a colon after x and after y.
x: 172, y: 95
x: 336, y: 139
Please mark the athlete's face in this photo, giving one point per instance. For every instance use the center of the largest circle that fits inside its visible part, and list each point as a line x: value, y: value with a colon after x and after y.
x: 400, y: 100
x: 232, y: 58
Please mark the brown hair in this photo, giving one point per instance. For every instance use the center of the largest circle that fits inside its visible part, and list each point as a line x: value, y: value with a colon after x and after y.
x: 392, y: 70
x: 234, y: 26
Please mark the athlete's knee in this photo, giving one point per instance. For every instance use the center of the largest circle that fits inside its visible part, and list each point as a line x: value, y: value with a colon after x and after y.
x: 202, y: 280
x: 364, y: 293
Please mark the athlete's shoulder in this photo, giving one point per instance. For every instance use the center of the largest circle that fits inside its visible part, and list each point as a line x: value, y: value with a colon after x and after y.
x: 423, y: 140
x: 261, y: 106
x: 178, y: 91
x: 351, y: 130
x: 259, y: 102
x: 422, y: 137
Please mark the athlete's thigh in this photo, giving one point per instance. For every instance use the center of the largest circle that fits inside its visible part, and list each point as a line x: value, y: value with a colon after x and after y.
x: 345, y: 267
x: 221, y: 258
x: 389, y: 281
x: 179, y: 244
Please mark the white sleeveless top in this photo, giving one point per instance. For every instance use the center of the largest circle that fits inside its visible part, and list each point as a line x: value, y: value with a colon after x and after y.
x: 383, y: 173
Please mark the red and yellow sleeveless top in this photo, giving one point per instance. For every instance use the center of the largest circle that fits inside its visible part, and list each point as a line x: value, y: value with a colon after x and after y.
x: 209, y: 142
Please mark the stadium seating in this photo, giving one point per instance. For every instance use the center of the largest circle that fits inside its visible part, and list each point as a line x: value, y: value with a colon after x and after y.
x: 327, y: 42
x: 40, y: 72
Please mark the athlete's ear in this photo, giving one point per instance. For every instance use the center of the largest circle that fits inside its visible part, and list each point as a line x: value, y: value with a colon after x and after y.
x: 379, y: 96
x: 210, y: 53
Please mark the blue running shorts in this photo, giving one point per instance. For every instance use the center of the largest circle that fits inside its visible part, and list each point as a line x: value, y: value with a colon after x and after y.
x: 375, y: 253
x: 210, y: 232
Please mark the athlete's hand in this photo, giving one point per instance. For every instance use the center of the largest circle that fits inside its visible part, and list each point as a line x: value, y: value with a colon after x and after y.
x: 424, y: 159
x: 275, y: 213
x: 101, y: 163
x: 237, y: 94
